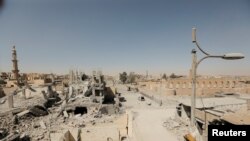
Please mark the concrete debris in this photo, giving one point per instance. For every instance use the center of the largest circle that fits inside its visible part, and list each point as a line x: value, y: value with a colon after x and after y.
x: 15, y: 120
x: 11, y: 137
x: 93, y: 122
x: 39, y: 137
x: 178, y: 127
x: 24, y: 137
x: 42, y: 124
x: 38, y: 111
x: 171, y: 125
x: 65, y: 114
x: 35, y: 125
x: 67, y: 137
x: 78, y: 115
x: 108, y: 109
x: 62, y: 107
x: 3, y: 133
x: 10, y: 101
x: 23, y: 113
x: 2, y: 101
x: 98, y: 115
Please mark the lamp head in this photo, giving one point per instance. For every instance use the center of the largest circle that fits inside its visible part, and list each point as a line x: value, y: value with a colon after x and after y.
x: 193, y: 34
x: 233, y: 56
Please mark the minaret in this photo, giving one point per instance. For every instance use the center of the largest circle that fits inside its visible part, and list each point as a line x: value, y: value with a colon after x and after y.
x: 15, y: 64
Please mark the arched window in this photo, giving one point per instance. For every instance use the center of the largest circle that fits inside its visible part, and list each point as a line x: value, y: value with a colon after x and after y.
x: 197, y: 85
x: 177, y: 85
x: 227, y: 84
x: 171, y: 85
x: 203, y: 84
x: 215, y: 84
x: 209, y: 84
x: 184, y: 85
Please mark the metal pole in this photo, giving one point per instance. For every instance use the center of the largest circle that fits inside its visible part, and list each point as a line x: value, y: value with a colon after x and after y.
x: 193, y: 97
x: 161, y: 92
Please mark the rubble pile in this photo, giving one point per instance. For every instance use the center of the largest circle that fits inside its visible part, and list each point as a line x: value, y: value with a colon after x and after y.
x: 178, y: 127
x: 42, y: 113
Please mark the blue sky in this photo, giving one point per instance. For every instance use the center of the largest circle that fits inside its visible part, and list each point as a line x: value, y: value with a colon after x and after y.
x: 124, y: 35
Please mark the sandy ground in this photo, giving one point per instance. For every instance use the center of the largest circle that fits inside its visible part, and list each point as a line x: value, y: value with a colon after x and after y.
x: 148, y: 118
x: 148, y: 125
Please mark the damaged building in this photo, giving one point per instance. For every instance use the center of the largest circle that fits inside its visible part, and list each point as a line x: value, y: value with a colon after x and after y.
x: 76, y: 113
x: 60, y: 111
x: 223, y: 109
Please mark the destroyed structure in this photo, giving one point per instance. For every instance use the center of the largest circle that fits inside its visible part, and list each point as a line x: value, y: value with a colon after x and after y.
x: 74, y: 110
x: 68, y: 114
x: 223, y: 109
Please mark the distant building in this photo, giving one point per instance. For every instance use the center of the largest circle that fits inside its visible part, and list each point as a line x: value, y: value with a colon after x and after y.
x: 4, y: 75
x: 204, y: 85
x: 38, y: 78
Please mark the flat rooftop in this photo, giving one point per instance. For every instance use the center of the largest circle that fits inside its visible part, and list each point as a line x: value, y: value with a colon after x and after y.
x: 213, y: 102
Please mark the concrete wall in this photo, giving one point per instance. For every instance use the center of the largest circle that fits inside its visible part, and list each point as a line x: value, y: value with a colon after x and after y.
x: 204, y: 86
x: 38, y: 82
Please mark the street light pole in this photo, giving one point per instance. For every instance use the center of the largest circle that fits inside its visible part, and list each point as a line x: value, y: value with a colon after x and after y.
x: 195, y: 63
x: 194, y: 58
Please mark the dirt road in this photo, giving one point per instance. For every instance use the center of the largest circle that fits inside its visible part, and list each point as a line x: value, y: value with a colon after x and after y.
x: 148, y: 119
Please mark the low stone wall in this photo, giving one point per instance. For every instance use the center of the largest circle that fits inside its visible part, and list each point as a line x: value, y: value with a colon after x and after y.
x: 162, y: 89
x: 208, y: 92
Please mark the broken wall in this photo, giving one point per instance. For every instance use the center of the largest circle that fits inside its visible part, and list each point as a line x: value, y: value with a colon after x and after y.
x: 109, y: 95
x: 2, y: 94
